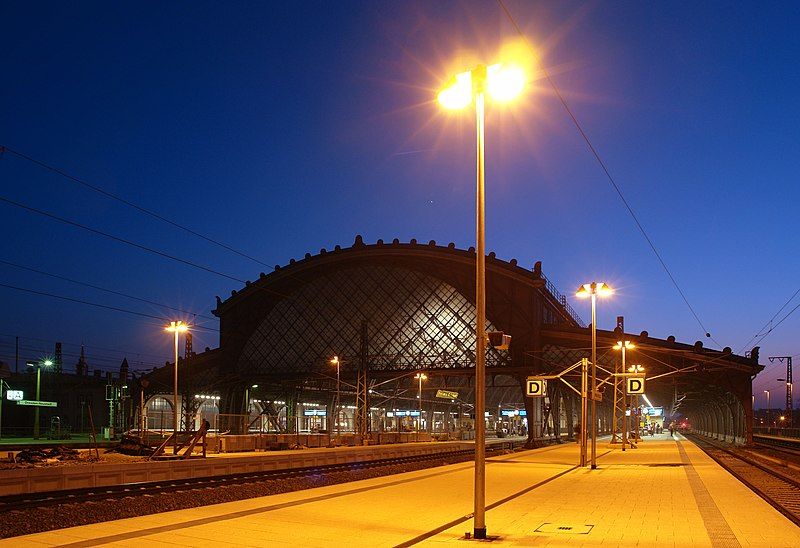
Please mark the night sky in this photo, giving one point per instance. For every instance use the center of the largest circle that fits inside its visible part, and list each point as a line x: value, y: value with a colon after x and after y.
x: 282, y: 128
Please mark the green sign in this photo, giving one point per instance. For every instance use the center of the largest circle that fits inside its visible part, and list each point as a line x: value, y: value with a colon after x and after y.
x: 36, y: 403
x: 447, y: 394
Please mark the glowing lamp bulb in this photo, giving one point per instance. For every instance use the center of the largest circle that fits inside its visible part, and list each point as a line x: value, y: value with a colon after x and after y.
x: 457, y: 94
x: 504, y: 82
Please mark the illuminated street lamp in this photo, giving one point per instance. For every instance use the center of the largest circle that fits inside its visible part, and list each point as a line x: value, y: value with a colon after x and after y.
x: 421, y: 377
x: 177, y: 328
x: 636, y: 369
x: 593, y: 290
x: 502, y: 82
x: 38, y: 366
x: 623, y: 346
x: 335, y: 361
x: 767, y: 393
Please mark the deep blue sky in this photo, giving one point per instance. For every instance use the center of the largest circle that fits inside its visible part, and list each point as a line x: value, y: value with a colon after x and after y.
x: 280, y: 129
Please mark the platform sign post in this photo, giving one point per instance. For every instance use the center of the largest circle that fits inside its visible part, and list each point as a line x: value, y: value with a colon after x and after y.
x: 634, y: 385
x: 536, y: 387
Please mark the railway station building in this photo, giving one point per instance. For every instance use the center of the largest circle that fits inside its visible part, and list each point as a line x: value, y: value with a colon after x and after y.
x: 378, y: 341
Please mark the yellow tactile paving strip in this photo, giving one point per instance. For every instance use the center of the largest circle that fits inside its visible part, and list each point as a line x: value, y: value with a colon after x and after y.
x: 642, y: 497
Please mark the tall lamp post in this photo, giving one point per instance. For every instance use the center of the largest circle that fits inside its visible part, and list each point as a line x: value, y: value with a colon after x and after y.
x: 421, y: 377
x: 335, y: 361
x: 503, y: 83
x: 176, y: 328
x: 768, y: 423
x: 623, y: 346
x: 593, y: 290
x: 38, y: 366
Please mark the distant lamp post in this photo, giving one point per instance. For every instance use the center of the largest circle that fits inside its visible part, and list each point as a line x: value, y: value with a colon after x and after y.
x: 421, y: 377
x: 623, y: 346
x: 593, y: 290
x: 335, y: 361
x: 247, y: 400
x: 639, y: 369
x: 38, y: 365
x: 503, y: 82
x: 176, y: 328
x: 768, y: 421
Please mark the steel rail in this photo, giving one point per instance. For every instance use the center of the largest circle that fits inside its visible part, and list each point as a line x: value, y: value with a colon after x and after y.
x: 87, y: 494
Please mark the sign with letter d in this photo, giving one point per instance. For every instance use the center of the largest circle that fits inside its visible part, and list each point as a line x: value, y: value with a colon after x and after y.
x: 635, y: 385
x: 536, y: 387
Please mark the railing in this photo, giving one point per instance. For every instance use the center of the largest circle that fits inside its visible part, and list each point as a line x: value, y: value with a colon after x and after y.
x: 778, y: 432
x: 562, y: 300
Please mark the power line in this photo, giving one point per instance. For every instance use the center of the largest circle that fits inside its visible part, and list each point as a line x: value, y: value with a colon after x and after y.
x: 51, y: 341
x: 607, y: 172
x: 117, y: 238
x: 771, y: 329
x: 98, y: 305
x: 128, y: 203
x: 760, y: 331
x: 113, y: 292
x: 131, y: 243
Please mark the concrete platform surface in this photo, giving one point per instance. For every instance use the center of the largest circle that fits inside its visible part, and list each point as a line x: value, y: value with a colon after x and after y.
x: 666, y: 493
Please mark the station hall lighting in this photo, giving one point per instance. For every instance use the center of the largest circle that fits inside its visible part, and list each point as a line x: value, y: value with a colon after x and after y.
x: 623, y: 346
x: 176, y: 328
x: 335, y: 361
x: 592, y: 290
x: 420, y: 377
x: 503, y: 82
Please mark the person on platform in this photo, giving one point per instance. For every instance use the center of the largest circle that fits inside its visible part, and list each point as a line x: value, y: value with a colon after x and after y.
x: 672, y: 429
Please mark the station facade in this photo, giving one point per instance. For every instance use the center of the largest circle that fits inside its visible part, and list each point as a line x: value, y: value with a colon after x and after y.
x: 380, y: 338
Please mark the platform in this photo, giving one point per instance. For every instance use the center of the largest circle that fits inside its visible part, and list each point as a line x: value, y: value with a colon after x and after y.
x: 665, y: 493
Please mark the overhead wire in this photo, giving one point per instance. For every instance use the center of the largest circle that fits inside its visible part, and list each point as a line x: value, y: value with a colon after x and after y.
x: 106, y: 290
x: 128, y: 203
x: 760, y: 331
x: 98, y: 305
x: 90, y: 346
x: 607, y: 173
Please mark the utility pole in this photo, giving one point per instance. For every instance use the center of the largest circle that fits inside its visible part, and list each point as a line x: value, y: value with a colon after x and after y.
x: 788, y: 380
x: 16, y: 358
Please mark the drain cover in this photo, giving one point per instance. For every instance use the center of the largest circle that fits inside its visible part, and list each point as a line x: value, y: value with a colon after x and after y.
x: 564, y: 528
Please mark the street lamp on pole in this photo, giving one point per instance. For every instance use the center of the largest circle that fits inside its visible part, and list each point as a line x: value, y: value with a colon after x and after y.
x: 421, y: 377
x: 593, y: 290
x: 503, y: 83
x: 623, y: 346
x: 767, y: 393
x: 38, y: 365
x: 176, y: 328
x: 335, y: 361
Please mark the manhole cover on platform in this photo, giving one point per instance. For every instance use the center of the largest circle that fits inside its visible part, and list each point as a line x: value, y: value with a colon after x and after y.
x: 564, y: 528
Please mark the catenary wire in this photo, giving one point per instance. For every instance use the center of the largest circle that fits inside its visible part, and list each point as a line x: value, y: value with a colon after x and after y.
x: 760, y: 331
x: 88, y: 346
x: 133, y: 244
x: 111, y: 291
x: 98, y: 305
x: 607, y: 173
x: 129, y: 203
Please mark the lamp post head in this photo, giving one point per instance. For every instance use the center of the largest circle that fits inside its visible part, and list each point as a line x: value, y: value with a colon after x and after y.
x: 177, y: 327
x: 421, y: 376
x: 503, y: 82
x: 601, y: 289
x: 620, y: 344
x: 334, y: 360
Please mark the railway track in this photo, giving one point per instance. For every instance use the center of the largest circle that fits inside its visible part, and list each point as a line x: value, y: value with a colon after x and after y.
x: 778, y: 489
x: 72, y: 496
